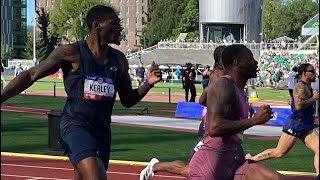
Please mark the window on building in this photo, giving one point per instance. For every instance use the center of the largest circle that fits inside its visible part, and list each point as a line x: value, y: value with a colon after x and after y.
x: 127, y: 9
x: 142, y: 7
x: 127, y: 31
x: 127, y: 21
x: 23, y: 13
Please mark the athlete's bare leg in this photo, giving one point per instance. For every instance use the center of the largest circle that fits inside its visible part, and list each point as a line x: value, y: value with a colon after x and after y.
x: 260, y: 171
x: 76, y: 175
x: 285, y: 143
x: 90, y: 168
x: 311, y: 140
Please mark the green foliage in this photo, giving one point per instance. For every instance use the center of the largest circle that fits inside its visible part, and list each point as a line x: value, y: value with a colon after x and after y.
x: 28, y: 50
x: 68, y: 16
x: 164, y: 16
x: 46, y: 41
x: 189, y: 22
x: 286, y: 19
x: 5, y: 52
x: 271, y: 7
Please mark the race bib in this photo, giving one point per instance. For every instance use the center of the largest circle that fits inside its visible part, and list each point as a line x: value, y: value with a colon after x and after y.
x: 98, y: 88
x: 198, y: 146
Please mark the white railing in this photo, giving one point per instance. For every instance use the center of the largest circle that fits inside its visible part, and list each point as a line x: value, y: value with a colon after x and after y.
x: 141, y: 53
x: 251, y: 46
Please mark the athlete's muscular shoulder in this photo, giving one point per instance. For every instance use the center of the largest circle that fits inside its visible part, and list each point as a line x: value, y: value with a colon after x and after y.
x: 68, y: 52
x: 299, y: 91
x: 221, y: 98
x: 216, y: 74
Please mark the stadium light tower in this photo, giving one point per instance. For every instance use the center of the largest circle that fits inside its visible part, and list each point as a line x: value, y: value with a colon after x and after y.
x: 34, y: 32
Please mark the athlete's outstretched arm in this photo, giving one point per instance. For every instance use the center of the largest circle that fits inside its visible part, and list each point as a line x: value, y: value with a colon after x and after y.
x: 222, y: 98
x: 300, y: 99
x: 26, y: 78
x: 128, y: 96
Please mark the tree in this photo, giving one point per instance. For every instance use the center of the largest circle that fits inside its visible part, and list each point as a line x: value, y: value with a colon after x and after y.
x: 297, y: 13
x: 270, y: 8
x: 189, y: 22
x: 164, y: 16
x: 28, y: 50
x: 68, y: 16
x: 47, y: 40
x: 286, y: 19
x: 5, y: 52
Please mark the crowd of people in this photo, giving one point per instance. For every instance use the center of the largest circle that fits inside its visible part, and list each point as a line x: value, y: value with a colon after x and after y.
x: 275, y: 67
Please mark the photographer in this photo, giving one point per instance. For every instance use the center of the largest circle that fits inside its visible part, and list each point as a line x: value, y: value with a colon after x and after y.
x: 188, y: 78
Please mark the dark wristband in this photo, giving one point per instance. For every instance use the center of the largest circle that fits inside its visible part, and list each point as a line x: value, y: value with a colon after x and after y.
x: 147, y: 85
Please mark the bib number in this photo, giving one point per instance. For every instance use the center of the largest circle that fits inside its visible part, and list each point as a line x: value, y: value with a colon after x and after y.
x: 98, y: 88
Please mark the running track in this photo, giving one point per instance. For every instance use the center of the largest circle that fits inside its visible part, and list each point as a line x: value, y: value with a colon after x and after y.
x: 24, y: 168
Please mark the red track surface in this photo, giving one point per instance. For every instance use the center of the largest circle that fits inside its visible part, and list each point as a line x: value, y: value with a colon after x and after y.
x: 17, y: 168
x: 21, y: 168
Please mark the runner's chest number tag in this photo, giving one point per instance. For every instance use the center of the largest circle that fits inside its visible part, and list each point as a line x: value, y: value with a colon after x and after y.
x: 98, y: 88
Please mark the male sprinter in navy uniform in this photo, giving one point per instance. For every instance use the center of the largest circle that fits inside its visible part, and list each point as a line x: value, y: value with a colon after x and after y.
x: 300, y: 123
x: 93, y: 73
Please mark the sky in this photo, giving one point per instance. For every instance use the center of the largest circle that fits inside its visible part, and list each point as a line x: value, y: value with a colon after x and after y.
x: 30, y: 12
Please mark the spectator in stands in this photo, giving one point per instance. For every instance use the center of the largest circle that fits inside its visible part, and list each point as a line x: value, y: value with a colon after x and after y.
x: 292, y: 80
x: 188, y: 79
x: 140, y: 74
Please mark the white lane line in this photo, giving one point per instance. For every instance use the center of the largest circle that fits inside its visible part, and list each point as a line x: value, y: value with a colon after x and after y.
x: 68, y: 169
x: 31, y: 177
x: 39, y: 167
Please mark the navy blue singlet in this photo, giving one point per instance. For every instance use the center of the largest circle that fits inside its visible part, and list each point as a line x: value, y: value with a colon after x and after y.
x: 91, y: 91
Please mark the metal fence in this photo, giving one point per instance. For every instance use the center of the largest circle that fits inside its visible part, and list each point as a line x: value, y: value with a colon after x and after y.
x: 251, y: 46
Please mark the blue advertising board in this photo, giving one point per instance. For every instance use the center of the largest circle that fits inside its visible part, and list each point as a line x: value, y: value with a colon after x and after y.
x: 280, y: 115
x: 189, y: 110
x: 196, y: 111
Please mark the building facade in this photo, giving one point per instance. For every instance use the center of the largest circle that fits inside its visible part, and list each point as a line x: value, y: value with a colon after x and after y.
x: 227, y: 20
x: 133, y: 14
x: 14, y: 26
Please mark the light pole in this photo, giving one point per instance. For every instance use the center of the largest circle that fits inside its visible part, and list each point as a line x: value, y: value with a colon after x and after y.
x: 34, y: 32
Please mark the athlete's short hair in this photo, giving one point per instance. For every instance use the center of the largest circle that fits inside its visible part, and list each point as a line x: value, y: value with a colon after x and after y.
x: 231, y: 52
x: 97, y: 13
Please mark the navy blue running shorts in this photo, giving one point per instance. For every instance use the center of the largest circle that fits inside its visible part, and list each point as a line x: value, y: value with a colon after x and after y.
x: 296, y: 128
x: 78, y: 144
